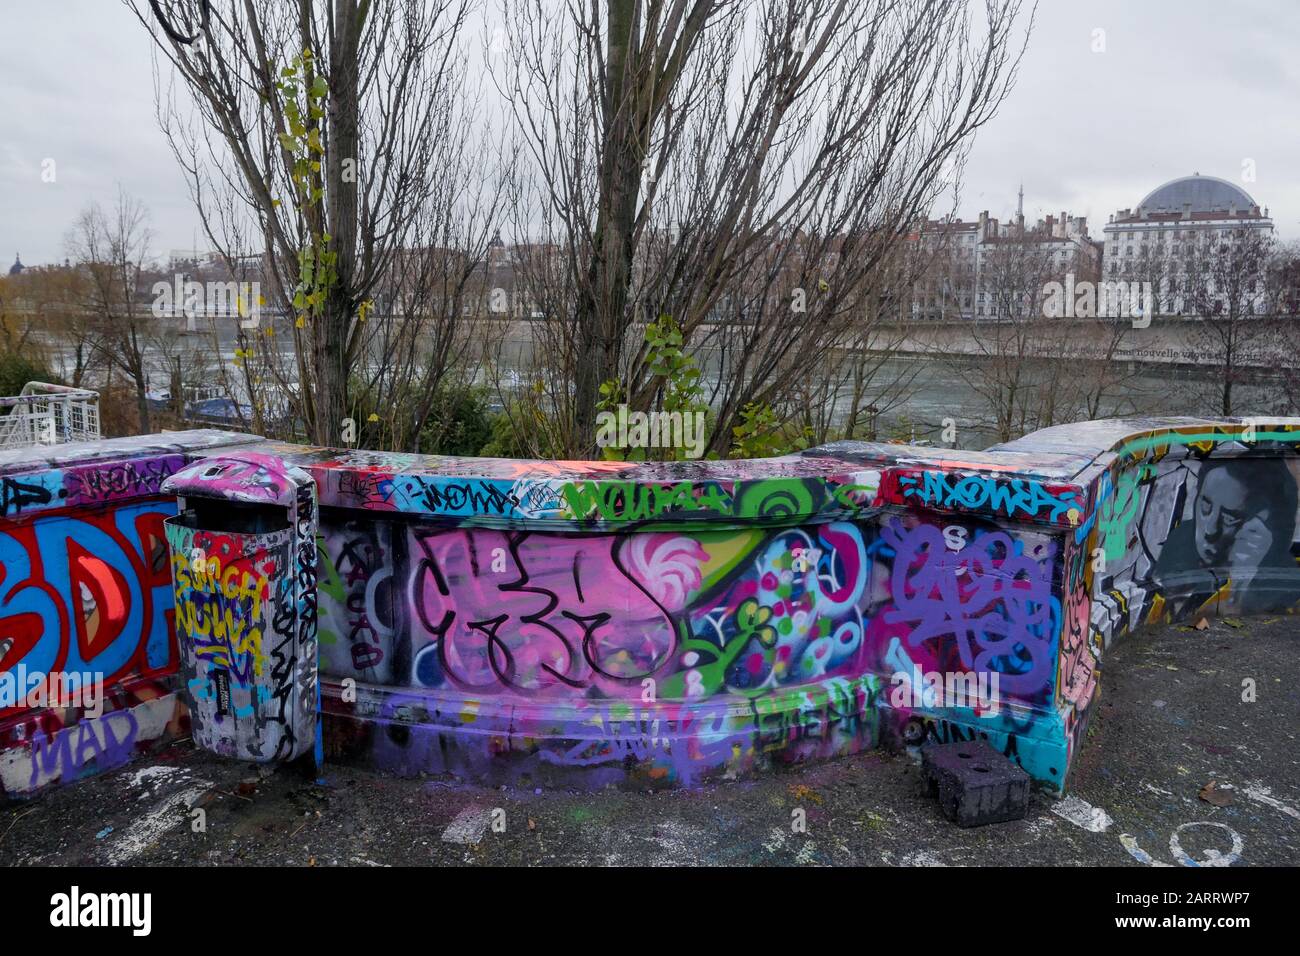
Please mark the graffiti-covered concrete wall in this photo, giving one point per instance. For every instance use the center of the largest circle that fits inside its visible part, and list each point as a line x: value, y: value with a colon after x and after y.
x: 88, y: 655
x: 586, y: 623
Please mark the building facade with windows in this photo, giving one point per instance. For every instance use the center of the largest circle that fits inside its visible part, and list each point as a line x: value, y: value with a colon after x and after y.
x: 1182, y: 226
x: 981, y: 269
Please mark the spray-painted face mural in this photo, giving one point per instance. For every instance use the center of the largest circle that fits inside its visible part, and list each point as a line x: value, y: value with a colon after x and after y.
x: 1183, y: 532
x: 1235, y: 536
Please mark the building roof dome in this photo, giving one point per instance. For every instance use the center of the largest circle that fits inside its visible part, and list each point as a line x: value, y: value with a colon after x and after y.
x: 1202, y: 193
x: 17, y: 267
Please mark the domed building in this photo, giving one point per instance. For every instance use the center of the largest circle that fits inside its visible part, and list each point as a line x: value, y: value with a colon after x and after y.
x: 1197, y: 193
x: 1152, y: 242
x: 17, y: 267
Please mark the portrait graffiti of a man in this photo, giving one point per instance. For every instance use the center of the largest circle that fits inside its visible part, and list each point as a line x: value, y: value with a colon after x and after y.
x: 1239, y: 534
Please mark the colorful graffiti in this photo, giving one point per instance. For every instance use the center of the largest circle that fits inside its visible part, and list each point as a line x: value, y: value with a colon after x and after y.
x: 355, y: 600
x: 652, y: 623
x: 593, y: 494
x: 991, y: 494
x: 87, y: 593
x: 744, y: 611
x: 1191, y: 528
x: 224, y: 604
x: 246, y: 605
x: 986, y: 603
x: 57, y: 746
x: 86, y: 602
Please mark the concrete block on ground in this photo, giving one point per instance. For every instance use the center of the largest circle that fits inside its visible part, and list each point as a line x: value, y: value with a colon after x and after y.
x: 975, y: 784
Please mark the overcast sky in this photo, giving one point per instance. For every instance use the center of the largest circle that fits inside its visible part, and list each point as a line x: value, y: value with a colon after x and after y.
x: 1182, y: 86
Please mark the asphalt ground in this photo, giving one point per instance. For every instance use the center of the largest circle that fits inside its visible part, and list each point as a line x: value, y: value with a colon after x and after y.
x: 1171, y: 719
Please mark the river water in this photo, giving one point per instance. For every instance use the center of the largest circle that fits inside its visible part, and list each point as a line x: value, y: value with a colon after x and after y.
x: 936, y: 392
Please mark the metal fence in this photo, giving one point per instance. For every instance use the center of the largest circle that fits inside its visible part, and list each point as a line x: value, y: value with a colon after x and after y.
x: 45, y: 414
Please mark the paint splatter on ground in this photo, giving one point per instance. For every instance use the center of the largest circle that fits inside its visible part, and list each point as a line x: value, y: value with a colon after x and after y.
x: 1083, y: 814
x: 469, y: 826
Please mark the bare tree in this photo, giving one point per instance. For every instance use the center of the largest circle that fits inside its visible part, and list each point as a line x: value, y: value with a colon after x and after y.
x: 1091, y: 364
x: 743, y: 168
x: 1224, y: 286
x: 1013, y: 342
x: 112, y: 250
x: 1284, y: 286
x: 849, y: 390
x: 1090, y: 355
x: 337, y: 138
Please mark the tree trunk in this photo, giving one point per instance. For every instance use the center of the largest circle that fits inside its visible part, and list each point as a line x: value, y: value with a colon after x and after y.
x: 601, y: 307
x: 331, y: 341
x: 142, y: 406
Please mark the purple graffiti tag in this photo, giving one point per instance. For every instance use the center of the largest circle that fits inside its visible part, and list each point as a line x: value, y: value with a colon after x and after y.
x: 990, y: 597
x: 531, y: 613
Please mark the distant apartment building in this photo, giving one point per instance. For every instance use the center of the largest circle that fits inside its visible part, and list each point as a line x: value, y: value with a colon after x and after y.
x: 967, y: 270
x: 1194, y: 218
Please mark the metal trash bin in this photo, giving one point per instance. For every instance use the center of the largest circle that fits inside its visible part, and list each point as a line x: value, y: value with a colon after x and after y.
x: 243, y: 560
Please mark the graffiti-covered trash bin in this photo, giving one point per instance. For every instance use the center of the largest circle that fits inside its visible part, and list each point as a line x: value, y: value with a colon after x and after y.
x: 243, y: 561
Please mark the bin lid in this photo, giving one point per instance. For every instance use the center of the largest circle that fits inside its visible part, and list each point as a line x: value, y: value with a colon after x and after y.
x: 249, y: 477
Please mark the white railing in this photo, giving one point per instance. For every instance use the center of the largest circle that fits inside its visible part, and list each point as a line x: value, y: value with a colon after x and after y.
x: 45, y: 414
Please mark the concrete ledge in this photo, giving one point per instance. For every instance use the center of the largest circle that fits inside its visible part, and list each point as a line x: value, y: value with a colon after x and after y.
x: 595, y: 743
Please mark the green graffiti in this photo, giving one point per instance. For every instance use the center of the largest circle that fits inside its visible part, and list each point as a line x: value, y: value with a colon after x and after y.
x: 848, y: 496
x: 1117, y: 515
x: 328, y: 582
x: 775, y: 498
x: 1132, y: 448
x: 708, y: 674
x: 635, y: 501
